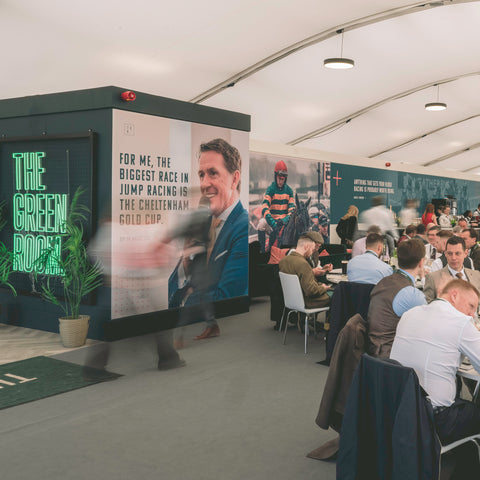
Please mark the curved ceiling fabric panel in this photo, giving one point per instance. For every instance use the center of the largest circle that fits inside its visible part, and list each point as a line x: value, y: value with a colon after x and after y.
x: 189, y: 48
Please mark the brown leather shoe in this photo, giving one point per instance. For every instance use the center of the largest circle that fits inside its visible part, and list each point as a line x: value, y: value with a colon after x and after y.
x: 209, y: 332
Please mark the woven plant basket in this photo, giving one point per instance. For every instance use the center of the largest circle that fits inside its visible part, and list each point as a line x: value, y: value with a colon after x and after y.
x: 73, y: 331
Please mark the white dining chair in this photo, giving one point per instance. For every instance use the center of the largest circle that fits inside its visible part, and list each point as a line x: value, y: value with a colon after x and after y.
x: 293, y: 298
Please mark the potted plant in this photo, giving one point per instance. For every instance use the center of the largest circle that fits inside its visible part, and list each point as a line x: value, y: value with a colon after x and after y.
x: 6, y: 257
x: 79, y: 277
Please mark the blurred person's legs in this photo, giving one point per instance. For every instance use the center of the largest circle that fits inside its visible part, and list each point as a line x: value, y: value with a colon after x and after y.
x: 96, y: 361
x: 167, y: 355
x: 141, y: 299
x: 201, y: 312
x: 208, y: 315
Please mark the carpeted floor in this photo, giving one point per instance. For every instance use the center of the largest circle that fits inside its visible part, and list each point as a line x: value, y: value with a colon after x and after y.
x: 242, y: 408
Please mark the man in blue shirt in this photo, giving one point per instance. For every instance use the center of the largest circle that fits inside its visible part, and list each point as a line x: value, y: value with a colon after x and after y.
x: 393, y: 296
x: 368, y: 268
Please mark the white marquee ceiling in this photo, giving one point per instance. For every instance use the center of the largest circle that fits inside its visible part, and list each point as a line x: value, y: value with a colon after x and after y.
x: 272, y: 52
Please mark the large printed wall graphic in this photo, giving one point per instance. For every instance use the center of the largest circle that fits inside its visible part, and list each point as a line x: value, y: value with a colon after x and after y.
x: 310, y: 183
x: 358, y: 185
x: 156, y: 195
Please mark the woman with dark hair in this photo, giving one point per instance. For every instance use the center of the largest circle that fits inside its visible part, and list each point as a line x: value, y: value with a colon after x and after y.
x: 347, y: 226
x: 429, y: 215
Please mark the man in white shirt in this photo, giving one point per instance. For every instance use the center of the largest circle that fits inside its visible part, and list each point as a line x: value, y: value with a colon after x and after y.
x: 433, y: 340
x: 445, y: 220
x: 368, y: 268
x: 455, y: 252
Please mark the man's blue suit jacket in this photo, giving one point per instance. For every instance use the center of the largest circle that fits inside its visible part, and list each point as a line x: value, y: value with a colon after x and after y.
x: 227, y: 266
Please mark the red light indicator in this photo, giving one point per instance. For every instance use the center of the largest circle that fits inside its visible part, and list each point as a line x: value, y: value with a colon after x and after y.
x: 128, y: 96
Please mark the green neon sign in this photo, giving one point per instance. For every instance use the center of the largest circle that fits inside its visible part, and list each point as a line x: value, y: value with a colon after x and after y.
x: 36, y: 214
x: 27, y: 248
x: 40, y: 212
x: 29, y: 170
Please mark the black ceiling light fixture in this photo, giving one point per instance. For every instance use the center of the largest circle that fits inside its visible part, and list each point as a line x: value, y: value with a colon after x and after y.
x: 436, y: 106
x: 340, y: 63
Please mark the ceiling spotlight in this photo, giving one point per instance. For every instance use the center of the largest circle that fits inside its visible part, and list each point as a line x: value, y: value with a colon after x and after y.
x: 340, y: 63
x: 436, y: 106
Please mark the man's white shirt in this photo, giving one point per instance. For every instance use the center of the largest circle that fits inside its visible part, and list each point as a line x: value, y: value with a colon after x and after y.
x: 432, y: 339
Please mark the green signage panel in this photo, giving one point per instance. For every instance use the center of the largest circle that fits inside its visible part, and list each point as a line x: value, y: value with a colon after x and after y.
x: 37, y: 177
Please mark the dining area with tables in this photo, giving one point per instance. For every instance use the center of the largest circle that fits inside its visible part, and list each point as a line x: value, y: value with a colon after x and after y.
x: 402, y: 336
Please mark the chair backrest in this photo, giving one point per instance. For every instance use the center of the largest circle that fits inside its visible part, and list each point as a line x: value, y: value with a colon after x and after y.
x: 345, y: 359
x: 348, y: 299
x: 387, y: 429
x: 292, y: 291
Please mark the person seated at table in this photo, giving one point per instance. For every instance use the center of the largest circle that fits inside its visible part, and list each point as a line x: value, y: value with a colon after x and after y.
x: 296, y: 263
x: 462, y: 222
x: 409, y: 233
x: 313, y: 259
x: 421, y: 233
x: 455, y: 253
x: 359, y: 246
x: 368, y: 268
x: 471, y: 239
x: 468, y: 216
x: 433, y: 339
x: 393, y: 296
x: 441, y: 261
x: 476, y: 213
x: 431, y: 248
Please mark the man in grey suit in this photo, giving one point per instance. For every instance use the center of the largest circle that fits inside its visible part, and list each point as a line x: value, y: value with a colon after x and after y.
x: 455, y: 252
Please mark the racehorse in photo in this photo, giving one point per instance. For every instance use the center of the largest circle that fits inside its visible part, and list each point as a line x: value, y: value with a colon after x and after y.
x: 299, y: 223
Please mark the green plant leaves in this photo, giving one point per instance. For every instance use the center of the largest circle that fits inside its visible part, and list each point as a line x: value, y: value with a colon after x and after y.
x: 79, y: 277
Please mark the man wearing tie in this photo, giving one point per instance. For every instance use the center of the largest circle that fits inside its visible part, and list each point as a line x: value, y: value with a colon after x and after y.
x: 431, y: 249
x: 455, y: 252
x: 227, y: 252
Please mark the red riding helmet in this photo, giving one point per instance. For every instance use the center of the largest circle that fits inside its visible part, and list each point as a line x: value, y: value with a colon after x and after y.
x: 281, y: 168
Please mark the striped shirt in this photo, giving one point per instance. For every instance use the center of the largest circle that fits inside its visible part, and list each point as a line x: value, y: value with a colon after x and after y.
x: 278, y: 204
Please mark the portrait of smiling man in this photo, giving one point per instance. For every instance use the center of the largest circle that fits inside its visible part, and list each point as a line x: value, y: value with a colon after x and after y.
x: 219, y: 172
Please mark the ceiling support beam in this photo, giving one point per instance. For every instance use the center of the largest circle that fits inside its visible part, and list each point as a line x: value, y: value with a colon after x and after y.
x: 453, y: 154
x: 423, y: 135
x: 367, y: 109
x: 320, y: 37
